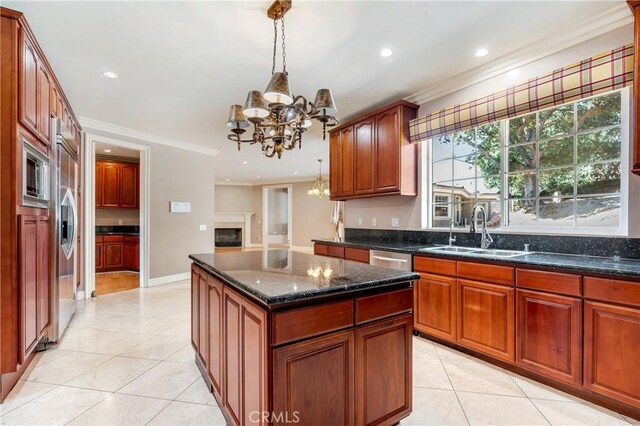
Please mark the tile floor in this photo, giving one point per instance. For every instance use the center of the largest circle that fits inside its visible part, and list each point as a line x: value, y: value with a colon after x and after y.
x: 127, y: 360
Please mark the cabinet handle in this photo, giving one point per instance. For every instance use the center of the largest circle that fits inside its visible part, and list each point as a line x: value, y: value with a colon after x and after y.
x: 390, y: 259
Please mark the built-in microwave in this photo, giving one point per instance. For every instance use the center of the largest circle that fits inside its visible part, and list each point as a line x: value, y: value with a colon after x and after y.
x: 35, y: 177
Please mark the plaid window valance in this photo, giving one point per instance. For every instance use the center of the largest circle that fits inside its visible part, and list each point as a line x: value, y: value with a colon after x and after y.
x: 607, y: 71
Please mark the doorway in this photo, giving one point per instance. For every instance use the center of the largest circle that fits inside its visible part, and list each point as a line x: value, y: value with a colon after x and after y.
x: 277, y: 216
x: 116, y: 178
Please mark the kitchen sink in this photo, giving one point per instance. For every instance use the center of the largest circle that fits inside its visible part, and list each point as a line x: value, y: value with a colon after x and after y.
x: 476, y: 251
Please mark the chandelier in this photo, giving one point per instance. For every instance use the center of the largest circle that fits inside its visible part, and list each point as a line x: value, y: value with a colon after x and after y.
x: 279, y: 118
x: 320, y: 186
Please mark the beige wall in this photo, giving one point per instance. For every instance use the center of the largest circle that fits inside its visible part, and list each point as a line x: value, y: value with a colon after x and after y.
x: 311, y: 215
x: 408, y: 209
x: 111, y: 217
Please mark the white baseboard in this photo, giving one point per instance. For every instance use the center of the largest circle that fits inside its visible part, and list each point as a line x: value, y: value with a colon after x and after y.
x: 80, y: 295
x: 303, y: 249
x: 254, y: 245
x: 169, y: 279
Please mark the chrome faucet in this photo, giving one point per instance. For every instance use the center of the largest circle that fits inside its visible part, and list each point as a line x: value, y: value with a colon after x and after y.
x: 452, y: 239
x: 486, y: 238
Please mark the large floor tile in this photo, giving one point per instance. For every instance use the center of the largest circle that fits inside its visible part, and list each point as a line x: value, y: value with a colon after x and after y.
x: 119, y: 409
x: 445, y: 352
x: 197, y: 393
x: 56, y: 407
x: 182, y: 413
x: 534, y: 389
x: 435, y: 407
x: 186, y: 354
x: 423, y: 348
x: 166, y: 380
x: 571, y: 413
x: 22, y: 393
x: 65, y: 368
x: 479, y: 377
x: 159, y: 348
x: 485, y: 409
x: 102, y: 342
x: 429, y: 373
x: 113, y: 374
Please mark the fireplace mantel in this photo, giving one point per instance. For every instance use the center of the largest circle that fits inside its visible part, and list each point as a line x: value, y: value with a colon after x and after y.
x: 242, y: 217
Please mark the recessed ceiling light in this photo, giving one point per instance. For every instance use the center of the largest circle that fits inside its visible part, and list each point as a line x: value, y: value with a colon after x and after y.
x: 110, y: 74
x: 481, y: 52
x: 245, y: 162
x: 107, y: 150
x: 227, y: 180
x: 258, y: 176
x: 385, y: 53
x: 295, y: 173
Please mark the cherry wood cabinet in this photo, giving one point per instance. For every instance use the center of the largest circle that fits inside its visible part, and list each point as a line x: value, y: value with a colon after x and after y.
x: 436, y: 306
x: 117, y: 185
x: 215, y: 325
x: 549, y: 335
x: 28, y: 85
x: 635, y: 9
x: 117, y: 253
x: 44, y: 107
x: 349, y: 253
x: 43, y: 272
x: 196, y: 274
x: 371, y: 155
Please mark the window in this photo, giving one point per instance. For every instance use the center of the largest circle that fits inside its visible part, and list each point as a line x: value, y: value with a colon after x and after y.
x: 557, y: 169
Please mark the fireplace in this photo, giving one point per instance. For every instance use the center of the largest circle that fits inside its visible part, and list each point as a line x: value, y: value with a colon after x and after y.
x: 228, y: 237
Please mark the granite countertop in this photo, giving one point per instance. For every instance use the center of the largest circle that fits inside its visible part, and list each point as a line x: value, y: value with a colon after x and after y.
x: 117, y: 230
x: 618, y: 267
x: 118, y: 233
x: 274, y: 277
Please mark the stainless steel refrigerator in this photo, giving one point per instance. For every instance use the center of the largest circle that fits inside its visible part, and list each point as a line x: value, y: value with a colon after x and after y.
x: 65, y: 253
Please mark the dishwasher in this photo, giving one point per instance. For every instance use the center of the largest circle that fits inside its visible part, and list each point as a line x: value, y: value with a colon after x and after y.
x: 390, y: 259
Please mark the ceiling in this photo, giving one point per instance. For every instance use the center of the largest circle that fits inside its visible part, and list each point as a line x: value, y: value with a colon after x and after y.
x: 181, y: 64
x: 107, y: 150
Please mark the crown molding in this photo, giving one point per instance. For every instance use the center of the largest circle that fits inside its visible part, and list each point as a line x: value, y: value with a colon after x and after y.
x: 616, y: 17
x: 89, y: 124
x: 309, y: 178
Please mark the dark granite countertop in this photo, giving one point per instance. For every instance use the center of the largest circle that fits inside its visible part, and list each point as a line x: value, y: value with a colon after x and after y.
x: 135, y: 234
x: 617, y: 267
x: 117, y: 230
x: 274, y: 277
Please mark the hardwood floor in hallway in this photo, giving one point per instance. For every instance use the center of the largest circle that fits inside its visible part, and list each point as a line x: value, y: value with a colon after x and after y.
x: 113, y: 282
x: 126, y: 359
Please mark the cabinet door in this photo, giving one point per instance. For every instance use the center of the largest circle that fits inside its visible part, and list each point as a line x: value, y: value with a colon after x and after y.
x: 129, y: 186
x: 98, y: 188
x: 383, y: 371
x: 44, y: 107
x: 28, y: 79
x: 486, y: 318
x: 435, y: 301
x: 364, y: 157
x: 549, y: 335
x: 113, y: 255
x: 203, y: 319
x: 346, y: 165
x: 99, y: 256
x: 313, y: 381
x: 43, y: 249
x: 111, y: 180
x: 232, y: 380
x: 215, y: 365
x: 136, y: 258
x: 335, y: 165
x: 387, y: 169
x: 611, y: 351
x: 129, y: 256
x: 28, y: 285
x: 195, y: 308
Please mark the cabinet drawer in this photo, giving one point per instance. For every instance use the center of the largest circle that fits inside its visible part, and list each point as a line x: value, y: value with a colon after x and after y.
x: 553, y: 282
x: 434, y: 266
x: 131, y: 239
x: 99, y: 238
x: 359, y: 255
x: 624, y: 292
x: 335, y: 251
x: 485, y: 272
x: 113, y: 238
x: 321, y: 249
x: 370, y: 308
x: 300, y: 323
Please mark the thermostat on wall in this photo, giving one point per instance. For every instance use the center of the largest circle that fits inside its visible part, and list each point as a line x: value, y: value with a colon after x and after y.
x: 180, y: 207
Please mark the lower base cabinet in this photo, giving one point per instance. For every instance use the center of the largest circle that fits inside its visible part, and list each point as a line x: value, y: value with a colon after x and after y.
x: 435, y: 310
x: 117, y: 253
x: 612, y: 351
x: 549, y: 335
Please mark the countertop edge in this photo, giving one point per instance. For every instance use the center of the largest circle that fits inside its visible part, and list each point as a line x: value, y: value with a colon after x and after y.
x: 414, y: 250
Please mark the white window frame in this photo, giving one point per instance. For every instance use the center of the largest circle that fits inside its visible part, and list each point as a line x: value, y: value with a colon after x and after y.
x: 629, y: 222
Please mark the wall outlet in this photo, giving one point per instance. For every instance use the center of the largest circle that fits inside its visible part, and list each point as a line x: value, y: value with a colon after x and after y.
x: 119, y: 221
x: 395, y: 222
x: 373, y: 222
x: 359, y: 221
x: 203, y: 227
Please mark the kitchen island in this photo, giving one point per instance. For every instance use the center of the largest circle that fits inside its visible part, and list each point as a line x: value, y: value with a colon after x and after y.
x: 284, y: 337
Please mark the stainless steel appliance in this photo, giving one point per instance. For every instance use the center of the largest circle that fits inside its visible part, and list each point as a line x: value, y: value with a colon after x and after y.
x: 65, y: 253
x: 35, y: 177
x: 389, y: 259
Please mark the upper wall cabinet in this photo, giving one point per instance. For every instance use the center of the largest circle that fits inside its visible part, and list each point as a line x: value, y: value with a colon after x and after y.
x: 635, y: 8
x: 117, y: 185
x: 371, y: 156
